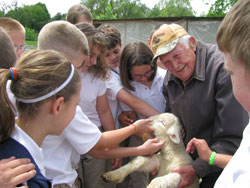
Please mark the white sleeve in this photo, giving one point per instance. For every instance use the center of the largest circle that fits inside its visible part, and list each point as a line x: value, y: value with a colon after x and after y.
x: 82, y: 133
x: 101, y: 88
x: 125, y: 107
x: 113, y: 85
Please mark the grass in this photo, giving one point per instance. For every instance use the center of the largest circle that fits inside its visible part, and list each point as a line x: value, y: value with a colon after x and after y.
x: 31, y: 44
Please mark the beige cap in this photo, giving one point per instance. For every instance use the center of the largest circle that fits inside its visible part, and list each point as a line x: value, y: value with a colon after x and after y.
x: 166, y: 37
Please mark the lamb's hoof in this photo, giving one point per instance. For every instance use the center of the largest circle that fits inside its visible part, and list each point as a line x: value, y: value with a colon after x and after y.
x: 111, y: 177
x: 105, y: 179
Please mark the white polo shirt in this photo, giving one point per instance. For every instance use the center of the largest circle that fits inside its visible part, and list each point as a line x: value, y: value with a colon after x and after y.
x: 153, y: 95
x: 60, y: 152
x: 92, y: 88
x: 237, y: 172
x: 114, y: 85
x: 35, y: 151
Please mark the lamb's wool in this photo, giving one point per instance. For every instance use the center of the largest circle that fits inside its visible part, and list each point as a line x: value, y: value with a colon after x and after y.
x: 173, y: 155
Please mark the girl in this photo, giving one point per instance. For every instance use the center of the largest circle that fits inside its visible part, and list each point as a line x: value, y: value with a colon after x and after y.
x: 47, y: 90
x: 94, y: 101
x: 140, y: 77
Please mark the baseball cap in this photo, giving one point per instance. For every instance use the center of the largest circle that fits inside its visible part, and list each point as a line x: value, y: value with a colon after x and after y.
x: 166, y: 37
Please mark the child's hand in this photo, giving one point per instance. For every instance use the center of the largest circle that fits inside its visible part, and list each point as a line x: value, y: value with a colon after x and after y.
x: 201, y: 145
x: 127, y: 117
x: 151, y: 146
x: 15, y: 171
x: 142, y: 126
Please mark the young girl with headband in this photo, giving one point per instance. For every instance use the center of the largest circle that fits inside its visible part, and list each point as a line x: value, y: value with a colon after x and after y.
x: 47, y: 90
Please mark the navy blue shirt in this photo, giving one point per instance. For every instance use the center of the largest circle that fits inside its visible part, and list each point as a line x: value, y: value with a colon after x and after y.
x: 10, y: 147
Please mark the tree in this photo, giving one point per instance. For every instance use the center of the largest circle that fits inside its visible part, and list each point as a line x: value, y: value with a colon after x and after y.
x: 155, y: 12
x: 33, y: 16
x: 58, y: 16
x: 220, y: 8
x: 116, y: 9
x: 175, y: 8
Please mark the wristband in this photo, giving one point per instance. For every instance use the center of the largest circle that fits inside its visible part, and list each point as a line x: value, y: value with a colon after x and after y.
x: 144, y: 137
x: 212, y: 158
x: 134, y: 127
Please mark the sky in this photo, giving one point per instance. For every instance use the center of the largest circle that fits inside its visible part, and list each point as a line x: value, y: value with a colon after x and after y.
x: 62, y: 6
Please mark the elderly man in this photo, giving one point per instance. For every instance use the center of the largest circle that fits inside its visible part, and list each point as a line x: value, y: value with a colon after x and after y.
x: 199, y: 92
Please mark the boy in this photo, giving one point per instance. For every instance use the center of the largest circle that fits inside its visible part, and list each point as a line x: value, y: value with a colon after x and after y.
x: 81, y: 136
x: 16, y: 31
x: 79, y: 13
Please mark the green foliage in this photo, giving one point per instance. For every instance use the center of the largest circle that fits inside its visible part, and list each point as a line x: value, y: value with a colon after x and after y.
x: 31, y: 34
x: 58, y: 16
x: 155, y: 12
x: 220, y: 8
x: 33, y: 16
x: 125, y: 9
x: 175, y: 8
x: 116, y: 9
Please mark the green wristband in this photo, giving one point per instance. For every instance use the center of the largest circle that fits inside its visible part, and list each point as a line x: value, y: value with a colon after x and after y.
x: 212, y: 158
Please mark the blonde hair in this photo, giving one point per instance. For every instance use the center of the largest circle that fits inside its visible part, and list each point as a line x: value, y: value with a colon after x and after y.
x: 7, y: 52
x: 95, y: 39
x: 234, y: 33
x: 77, y: 11
x: 11, y: 25
x: 38, y: 73
x: 64, y: 37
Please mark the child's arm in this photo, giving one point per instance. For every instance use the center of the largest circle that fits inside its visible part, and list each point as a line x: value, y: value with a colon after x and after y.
x: 136, y: 104
x: 205, y: 152
x: 114, y: 138
x: 148, y: 148
x: 105, y: 115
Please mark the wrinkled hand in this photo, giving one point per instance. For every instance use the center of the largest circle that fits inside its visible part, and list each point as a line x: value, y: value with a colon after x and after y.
x: 127, y: 117
x: 151, y: 146
x: 116, y: 163
x: 15, y: 171
x: 201, y: 145
x: 188, y: 175
x: 142, y: 126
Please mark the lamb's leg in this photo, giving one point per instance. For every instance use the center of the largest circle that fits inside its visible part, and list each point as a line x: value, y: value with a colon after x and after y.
x: 171, y: 180
x: 119, y: 174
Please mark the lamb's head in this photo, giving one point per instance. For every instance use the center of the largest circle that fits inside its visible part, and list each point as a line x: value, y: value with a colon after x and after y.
x: 166, y: 125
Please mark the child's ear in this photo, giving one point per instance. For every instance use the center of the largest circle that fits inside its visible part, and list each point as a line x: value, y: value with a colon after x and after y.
x: 57, y: 105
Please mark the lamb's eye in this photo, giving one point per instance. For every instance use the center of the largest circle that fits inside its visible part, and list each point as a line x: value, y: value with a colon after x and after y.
x: 163, y: 123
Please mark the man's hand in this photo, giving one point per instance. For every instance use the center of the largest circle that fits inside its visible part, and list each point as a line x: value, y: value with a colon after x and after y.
x: 188, y: 175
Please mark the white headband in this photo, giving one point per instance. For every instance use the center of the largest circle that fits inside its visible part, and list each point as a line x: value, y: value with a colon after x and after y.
x: 50, y: 93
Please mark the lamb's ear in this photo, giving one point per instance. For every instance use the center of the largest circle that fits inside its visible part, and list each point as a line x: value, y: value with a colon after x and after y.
x: 174, y: 135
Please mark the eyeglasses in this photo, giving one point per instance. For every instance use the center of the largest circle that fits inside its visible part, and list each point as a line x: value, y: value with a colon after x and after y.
x: 21, y: 47
x: 140, y: 76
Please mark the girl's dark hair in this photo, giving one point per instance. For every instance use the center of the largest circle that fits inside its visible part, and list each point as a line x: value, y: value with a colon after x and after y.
x: 38, y: 73
x: 135, y: 54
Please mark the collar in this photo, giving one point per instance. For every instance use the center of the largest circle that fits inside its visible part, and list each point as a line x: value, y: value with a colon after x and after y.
x: 35, y: 151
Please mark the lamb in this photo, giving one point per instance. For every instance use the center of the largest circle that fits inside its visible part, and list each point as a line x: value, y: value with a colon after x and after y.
x: 173, y: 155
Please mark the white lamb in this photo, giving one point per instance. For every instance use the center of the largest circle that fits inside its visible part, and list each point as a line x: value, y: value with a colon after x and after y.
x: 173, y: 155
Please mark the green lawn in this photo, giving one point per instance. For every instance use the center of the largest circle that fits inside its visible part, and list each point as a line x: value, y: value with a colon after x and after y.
x: 31, y: 44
